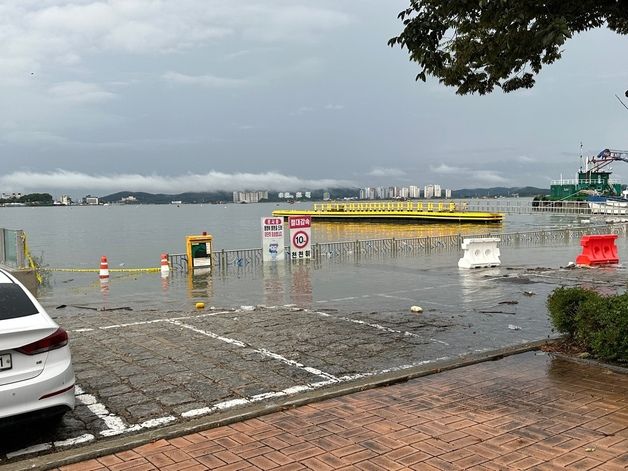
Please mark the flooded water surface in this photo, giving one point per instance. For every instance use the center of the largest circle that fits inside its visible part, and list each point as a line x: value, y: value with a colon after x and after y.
x: 134, y: 236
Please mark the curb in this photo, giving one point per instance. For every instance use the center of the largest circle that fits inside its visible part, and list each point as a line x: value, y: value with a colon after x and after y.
x: 105, y: 447
x: 590, y: 362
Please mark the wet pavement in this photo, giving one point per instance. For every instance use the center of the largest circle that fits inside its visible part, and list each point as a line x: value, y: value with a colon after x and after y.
x: 527, y: 411
x: 141, y: 369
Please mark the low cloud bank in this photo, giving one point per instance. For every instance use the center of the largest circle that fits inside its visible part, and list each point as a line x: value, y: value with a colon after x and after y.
x: 65, y: 182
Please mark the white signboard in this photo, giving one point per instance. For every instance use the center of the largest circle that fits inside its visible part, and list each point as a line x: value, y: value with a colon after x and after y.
x: 300, y: 237
x: 272, y: 239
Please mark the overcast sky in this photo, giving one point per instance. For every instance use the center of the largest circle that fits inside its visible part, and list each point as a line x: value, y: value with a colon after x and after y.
x: 200, y: 95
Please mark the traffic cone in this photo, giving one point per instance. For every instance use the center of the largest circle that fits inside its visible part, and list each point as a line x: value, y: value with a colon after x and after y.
x: 165, y: 266
x: 104, y: 268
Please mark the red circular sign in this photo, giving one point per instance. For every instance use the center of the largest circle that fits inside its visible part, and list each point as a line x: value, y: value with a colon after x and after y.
x: 300, y: 239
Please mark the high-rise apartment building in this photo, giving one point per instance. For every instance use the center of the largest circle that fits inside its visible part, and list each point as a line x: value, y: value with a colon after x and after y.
x: 428, y: 191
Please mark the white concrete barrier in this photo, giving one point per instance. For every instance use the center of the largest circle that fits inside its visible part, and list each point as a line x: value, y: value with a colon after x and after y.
x: 480, y: 252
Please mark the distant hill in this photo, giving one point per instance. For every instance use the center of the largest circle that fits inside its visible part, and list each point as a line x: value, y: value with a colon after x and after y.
x: 317, y: 195
x: 161, y: 198
x: 215, y: 196
x: 499, y: 191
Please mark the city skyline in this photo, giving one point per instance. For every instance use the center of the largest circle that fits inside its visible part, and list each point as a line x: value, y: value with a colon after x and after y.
x: 205, y: 95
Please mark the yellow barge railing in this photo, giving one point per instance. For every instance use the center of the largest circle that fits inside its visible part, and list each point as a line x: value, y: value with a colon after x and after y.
x: 399, y: 206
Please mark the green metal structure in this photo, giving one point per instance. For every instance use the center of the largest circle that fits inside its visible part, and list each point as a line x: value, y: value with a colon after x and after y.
x: 592, y: 180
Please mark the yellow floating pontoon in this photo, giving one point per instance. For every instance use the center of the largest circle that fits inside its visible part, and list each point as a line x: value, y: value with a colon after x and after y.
x: 395, y: 211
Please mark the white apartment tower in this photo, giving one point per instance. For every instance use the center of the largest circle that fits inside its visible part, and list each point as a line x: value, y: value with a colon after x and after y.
x: 428, y: 191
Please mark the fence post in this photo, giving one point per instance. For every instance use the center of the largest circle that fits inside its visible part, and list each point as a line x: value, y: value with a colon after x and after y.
x: 2, y: 248
x: 20, y: 248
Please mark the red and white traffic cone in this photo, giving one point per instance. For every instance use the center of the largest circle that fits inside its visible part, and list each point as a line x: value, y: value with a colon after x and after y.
x: 165, y: 266
x: 104, y: 268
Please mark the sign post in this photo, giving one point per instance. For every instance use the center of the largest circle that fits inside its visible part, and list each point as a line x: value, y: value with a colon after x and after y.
x: 272, y: 239
x: 300, y: 237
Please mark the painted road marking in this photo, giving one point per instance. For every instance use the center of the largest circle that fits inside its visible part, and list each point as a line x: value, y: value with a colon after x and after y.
x: 152, y: 423
x: 112, y: 421
x: 261, y: 351
x: 376, y: 326
x: 221, y: 406
x: 152, y: 321
x: 116, y: 426
x: 392, y: 295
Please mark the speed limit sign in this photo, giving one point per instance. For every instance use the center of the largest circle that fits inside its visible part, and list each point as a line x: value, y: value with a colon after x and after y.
x: 300, y: 237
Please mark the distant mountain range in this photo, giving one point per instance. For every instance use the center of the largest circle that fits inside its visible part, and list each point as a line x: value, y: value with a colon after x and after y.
x: 499, y: 191
x: 317, y: 195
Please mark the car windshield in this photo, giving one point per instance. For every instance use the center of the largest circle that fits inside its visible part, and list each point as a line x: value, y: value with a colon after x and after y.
x: 14, y: 302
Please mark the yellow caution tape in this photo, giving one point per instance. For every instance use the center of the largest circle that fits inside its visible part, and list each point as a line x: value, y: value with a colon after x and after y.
x: 31, y: 262
x: 38, y: 269
x: 111, y: 270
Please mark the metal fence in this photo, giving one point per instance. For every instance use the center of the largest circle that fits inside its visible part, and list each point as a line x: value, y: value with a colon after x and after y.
x: 12, y: 248
x: 486, y: 205
x: 527, y: 206
x: 247, y: 259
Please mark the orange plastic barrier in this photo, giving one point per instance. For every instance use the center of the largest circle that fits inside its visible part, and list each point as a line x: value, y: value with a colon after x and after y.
x: 598, y: 250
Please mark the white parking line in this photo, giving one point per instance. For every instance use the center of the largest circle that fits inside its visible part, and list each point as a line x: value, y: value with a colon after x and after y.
x: 152, y: 423
x: 152, y: 321
x: 401, y: 298
x: 75, y: 441
x: 116, y: 426
x: 112, y: 421
x: 261, y: 351
x: 221, y: 406
x: 376, y: 326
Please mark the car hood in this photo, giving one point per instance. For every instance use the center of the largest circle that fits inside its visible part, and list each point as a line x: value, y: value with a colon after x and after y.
x: 20, y: 331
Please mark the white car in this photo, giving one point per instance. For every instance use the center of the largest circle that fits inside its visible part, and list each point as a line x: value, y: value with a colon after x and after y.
x: 36, y: 374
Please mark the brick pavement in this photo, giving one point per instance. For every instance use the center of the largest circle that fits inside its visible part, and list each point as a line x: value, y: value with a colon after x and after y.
x: 528, y: 411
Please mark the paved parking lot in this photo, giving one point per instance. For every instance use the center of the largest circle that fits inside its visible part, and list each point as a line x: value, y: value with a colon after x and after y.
x: 527, y: 411
x: 143, y: 369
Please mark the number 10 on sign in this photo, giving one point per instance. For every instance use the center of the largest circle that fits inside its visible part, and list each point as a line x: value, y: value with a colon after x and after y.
x: 300, y: 237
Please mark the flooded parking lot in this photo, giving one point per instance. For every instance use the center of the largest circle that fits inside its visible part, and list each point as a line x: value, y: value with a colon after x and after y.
x: 139, y: 367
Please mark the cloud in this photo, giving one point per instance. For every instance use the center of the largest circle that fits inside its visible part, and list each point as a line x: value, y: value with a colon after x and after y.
x: 334, y: 107
x: 23, y: 136
x: 209, y: 81
x: 449, y: 170
x: 302, y: 110
x: 488, y: 176
x: 65, y: 181
x: 289, y: 22
x: 38, y: 34
x: 483, y: 176
x: 386, y: 172
x: 80, y: 92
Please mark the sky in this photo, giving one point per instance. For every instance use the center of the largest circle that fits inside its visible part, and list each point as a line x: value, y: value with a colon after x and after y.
x: 171, y: 96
